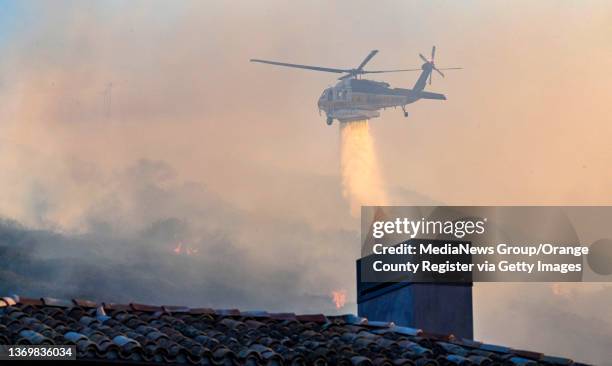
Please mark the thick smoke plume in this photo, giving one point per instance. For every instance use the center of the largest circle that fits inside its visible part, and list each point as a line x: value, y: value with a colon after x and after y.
x: 361, y: 179
x: 191, y: 146
x: 125, y: 174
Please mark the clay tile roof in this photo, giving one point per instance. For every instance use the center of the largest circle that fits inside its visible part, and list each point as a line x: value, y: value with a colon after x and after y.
x: 8, y: 301
x: 199, y: 311
x: 61, y: 303
x: 145, y: 308
x: 441, y: 337
x: 160, y: 335
x: 31, y: 301
x: 175, y: 309
x: 283, y: 316
x: 468, y: 343
x: 227, y: 312
x: 528, y: 354
x: 85, y: 303
x: 255, y: 314
x: 113, y: 306
x: 316, y: 318
x: 556, y: 360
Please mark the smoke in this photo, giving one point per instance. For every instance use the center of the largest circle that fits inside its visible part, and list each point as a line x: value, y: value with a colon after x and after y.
x: 127, y: 174
x: 191, y: 146
x: 158, y: 239
x: 361, y: 179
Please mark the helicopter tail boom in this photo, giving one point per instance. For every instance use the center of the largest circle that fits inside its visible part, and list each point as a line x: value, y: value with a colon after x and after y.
x: 430, y: 95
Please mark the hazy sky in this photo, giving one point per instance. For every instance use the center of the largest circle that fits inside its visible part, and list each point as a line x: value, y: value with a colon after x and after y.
x: 116, y: 116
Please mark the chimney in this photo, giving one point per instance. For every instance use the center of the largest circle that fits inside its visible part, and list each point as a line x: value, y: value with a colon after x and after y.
x: 442, y: 308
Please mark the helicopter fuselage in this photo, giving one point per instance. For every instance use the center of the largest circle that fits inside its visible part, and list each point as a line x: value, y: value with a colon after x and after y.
x: 361, y: 99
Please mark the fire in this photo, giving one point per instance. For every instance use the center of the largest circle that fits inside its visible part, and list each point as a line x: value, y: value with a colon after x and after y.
x: 339, y: 298
x: 180, y: 248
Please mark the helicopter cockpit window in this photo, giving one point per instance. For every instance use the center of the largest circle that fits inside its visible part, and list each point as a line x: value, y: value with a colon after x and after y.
x: 326, y: 95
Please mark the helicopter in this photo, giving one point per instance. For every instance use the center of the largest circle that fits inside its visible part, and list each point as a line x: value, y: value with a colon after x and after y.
x: 356, y: 99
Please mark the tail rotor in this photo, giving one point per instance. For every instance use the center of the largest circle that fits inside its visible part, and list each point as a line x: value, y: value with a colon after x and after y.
x: 430, y: 64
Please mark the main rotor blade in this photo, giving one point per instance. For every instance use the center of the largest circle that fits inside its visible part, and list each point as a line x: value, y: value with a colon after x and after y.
x: 383, y: 71
x: 423, y: 58
x: 315, y: 68
x: 367, y: 59
x: 433, y: 53
x: 449, y: 68
x: 439, y: 72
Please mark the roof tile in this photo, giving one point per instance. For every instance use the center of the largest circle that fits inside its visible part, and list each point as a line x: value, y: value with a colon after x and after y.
x: 527, y: 354
x: 200, y: 311
x: 556, y: 360
x: 315, y: 318
x: 85, y: 303
x: 31, y: 301
x: 520, y: 361
x: 227, y: 312
x: 469, y: 343
x: 283, y: 316
x: 495, y: 348
x: 61, y: 303
x: 376, y: 324
x: 255, y: 314
x: 176, y: 309
x: 114, y: 306
x: 136, y: 333
x: 9, y: 301
x: 145, y: 308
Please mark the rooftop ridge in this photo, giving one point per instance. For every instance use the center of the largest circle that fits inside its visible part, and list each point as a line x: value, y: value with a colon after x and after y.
x: 136, y: 328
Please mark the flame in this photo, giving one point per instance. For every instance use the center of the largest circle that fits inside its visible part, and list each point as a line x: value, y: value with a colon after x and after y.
x: 339, y: 298
x: 179, y: 249
x: 361, y: 179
